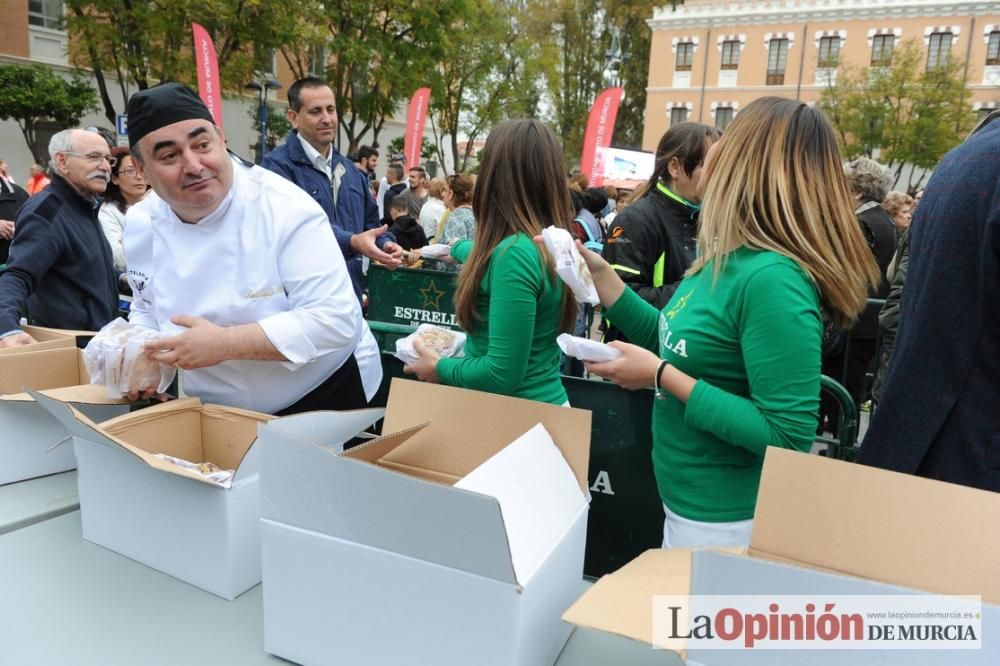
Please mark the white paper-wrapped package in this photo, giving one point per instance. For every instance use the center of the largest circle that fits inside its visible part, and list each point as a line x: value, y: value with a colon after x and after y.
x: 445, y: 342
x: 116, y: 358
x: 570, y: 265
x: 435, y: 251
x: 586, y: 350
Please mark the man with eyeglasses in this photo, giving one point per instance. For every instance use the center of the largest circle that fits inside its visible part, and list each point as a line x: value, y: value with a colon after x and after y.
x: 60, y: 264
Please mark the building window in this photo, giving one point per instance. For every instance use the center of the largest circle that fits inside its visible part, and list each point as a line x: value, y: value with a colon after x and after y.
x: 46, y: 13
x: 730, y: 54
x: 777, y: 59
x: 723, y: 116
x: 993, y: 49
x: 317, y: 61
x: 938, y: 50
x: 882, y: 46
x: 685, y: 55
x: 678, y: 114
x: 829, y: 52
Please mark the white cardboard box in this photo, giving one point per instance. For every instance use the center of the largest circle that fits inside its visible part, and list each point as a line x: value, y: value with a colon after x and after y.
x: 164, y: 516
x: 29, y: 436
x: 459, y: 539
x: 825, y: 527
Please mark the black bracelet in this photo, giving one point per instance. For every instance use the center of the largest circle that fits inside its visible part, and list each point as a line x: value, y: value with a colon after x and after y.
x: 660, y: 393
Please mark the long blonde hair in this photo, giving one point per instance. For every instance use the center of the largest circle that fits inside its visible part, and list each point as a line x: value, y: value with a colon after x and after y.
x: 521, y: 188
x: 776, y: 182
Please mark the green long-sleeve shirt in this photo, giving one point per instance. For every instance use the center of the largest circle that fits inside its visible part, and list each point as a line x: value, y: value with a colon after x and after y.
x: 752, y: 342
x: 513, y: 350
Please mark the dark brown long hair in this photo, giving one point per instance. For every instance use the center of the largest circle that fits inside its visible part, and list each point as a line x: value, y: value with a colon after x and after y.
x: 521, y: 188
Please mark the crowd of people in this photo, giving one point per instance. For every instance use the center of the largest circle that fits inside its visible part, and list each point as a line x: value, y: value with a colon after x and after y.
x: 729, y: 281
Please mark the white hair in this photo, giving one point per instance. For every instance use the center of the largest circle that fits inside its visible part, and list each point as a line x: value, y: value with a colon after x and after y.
x: 61, y: 142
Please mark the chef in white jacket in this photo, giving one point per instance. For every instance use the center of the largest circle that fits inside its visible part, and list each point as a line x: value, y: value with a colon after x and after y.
x: 240, y: 271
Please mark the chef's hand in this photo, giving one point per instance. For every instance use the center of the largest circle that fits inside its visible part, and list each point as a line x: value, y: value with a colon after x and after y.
x: 148, y: 394
x: 203, y: 344
x: 426, y: 368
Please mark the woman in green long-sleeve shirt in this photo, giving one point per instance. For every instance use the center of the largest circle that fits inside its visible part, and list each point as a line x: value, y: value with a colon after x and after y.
x: 735, y: 354
x: 509, y: 299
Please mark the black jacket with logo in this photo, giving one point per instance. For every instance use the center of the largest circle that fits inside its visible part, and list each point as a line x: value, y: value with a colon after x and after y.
x: 655, y: 226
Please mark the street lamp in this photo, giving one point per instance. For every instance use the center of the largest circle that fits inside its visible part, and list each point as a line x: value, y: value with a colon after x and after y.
x: 262, y: 87
x: 614, y: 57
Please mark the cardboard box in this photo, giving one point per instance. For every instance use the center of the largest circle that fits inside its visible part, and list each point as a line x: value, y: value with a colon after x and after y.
x: 826, y: 527
x: 48, y: 338
x: 457, y: 539
x: 29, y: 437
x: 167, y: 517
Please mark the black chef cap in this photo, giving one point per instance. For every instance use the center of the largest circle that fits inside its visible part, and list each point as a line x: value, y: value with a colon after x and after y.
x: 162, y: 105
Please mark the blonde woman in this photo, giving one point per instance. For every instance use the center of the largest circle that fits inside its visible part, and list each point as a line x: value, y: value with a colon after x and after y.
x: 899, y: 205
x: 735, y: 354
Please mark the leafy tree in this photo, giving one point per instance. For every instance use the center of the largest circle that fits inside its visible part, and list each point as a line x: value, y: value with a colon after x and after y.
x: 902, y: 114
x: 428, y: 149
x: 381, y: 51
x: 32, y: 93
x: 479, y: 78
x: 139, y: 44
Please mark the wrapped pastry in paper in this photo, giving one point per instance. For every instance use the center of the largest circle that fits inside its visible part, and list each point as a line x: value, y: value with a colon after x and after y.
x: 115, y: 357
x: 569, y: 264
x: 445, y: 342
x: 585, y: 349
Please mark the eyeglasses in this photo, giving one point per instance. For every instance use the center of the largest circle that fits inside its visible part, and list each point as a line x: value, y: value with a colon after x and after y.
x: 130, y: 172
x: 94, y: 157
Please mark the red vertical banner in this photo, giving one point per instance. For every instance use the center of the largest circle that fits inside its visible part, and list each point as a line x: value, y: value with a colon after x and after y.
x: 207, y: 64
x: 416, y: 118
x: 600, y: 127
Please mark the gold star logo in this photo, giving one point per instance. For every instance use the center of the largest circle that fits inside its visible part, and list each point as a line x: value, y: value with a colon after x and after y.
x: 432, y: 296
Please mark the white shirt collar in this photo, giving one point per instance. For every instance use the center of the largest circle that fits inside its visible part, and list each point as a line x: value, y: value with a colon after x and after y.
x: 315, y: 158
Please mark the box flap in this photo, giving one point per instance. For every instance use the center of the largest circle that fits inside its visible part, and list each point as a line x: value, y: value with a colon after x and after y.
x: 184, y: 434
x: 85, y: 394
x: 307, y: 485
x: 46, y: 369
x: 622, y: 602
x: 317, y: 428
x: 46, y: 333
x: 538, y: 494
x: 873, y: 523
x: 467, y: 427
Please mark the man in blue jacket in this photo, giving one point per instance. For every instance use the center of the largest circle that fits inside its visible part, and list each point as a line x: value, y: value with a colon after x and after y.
x: 308, y: 159
x: 940, y: 411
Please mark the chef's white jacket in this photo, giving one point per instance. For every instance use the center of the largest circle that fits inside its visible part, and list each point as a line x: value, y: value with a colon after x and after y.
x: 267, y: 254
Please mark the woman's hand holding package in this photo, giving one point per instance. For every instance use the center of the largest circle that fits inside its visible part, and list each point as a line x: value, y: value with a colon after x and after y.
x: 426, y: 367
x: 634, y: 369
x: 609, y: 286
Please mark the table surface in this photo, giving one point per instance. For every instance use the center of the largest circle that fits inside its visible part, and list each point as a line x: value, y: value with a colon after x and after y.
x: 75, y: 603
x: 28, y: 502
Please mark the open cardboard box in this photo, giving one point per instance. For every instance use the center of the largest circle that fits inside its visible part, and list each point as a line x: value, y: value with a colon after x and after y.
x: 47, y: 338
x: 28, y: 435
x: 825, y: 527
x: 458, y: 538
x: 165, y: 516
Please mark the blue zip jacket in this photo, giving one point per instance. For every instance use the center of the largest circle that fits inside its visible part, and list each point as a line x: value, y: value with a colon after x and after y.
x: 356, y: 210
